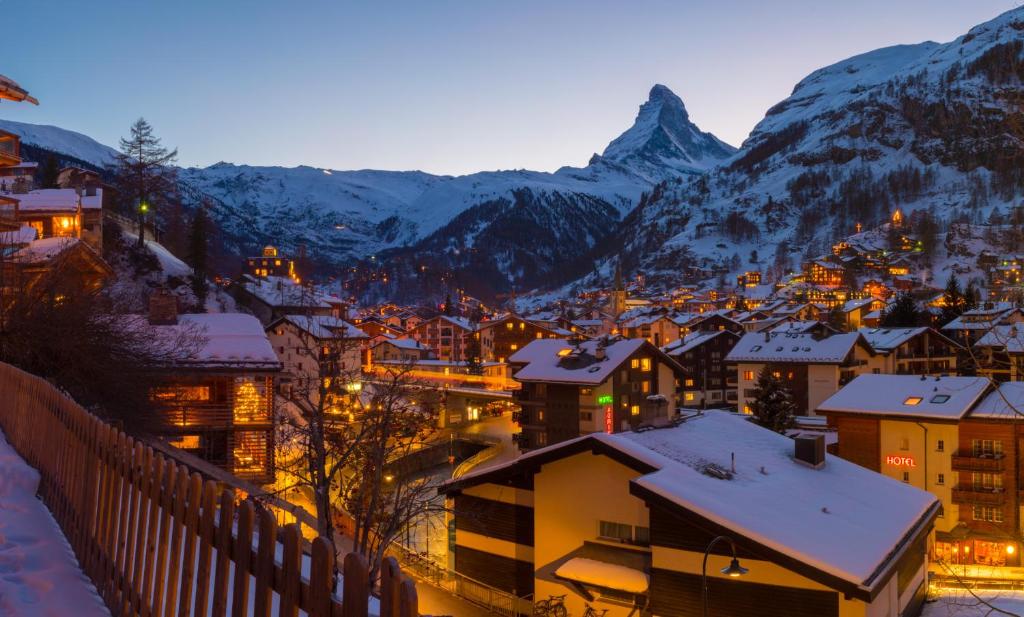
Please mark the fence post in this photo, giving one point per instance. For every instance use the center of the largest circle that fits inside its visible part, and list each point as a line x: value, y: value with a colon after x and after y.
x: 265, y: 563
x: 292, y: 562
x: 390, y: 581
x: 408, y: 603
x: 321, y: 578
x: 243, y: 558
x: 355, y: 597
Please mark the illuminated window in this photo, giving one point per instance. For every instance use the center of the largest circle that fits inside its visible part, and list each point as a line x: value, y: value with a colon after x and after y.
x: 747, y: 410
x: 645, y: 387
x: 508, y: 325
x: 748, y: 375
x: 250, y: 404
x: 38, y: 226
x: 689, y: 383
x: 645, y: 364
x: 564, y: 352
x: 181, y: 393
x: 634, y: 410
x: 634, y: 363
x: 250, y: 453
x: 913, y: 400
x: 689, y: 396
x: 776, y: 374
x: 186, y: 442
x: 63, y: 225
x: 540, y: 335
x: 522, y: 325
x: 513, y: 347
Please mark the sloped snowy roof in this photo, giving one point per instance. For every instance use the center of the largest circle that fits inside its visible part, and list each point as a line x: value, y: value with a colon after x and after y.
x: 946, y: 398
x: 226, y: 339
x: 826, y: 518
x: 403, y: 343
x: 692, y: 340
x: 282, y: 291
x: 42, y: 250
x: 325, y: 326
x: 1008, y: 337
x: 786, y: 347
x: 21, y: 235
x: 604, y: 574
x: 543, y: 362
x: 65, y: 200
x: 1005, y: 403
x: 887, y: 339
x: 797, y: 327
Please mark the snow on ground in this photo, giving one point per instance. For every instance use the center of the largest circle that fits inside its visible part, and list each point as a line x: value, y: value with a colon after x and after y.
x: 958, y: 603
x: 39, y: 575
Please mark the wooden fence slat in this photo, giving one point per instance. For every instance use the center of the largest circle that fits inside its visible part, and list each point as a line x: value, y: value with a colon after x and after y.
x: 117, y: 517
x: 181, y: 486
x: 134, y: 493
x: 356, y: 575
x: 156, y: 486
x: 408, y: 601
x: 147, y: 477
x: 166, y: 505
x: 206, y: 520
x: 265, y: 564
x: 321, y: 578
x: 188, y: 558
x: 224, y: 550
x: 291, y: 588
x: 242, y: 558
x: 390, y: 583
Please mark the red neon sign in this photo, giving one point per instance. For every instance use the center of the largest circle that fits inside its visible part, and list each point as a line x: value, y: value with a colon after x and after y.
x: 900, y: 461
x: 609, y: 419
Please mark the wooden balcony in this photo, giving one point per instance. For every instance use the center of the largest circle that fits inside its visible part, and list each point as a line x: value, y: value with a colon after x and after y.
x: 10, y: 149
x: 969, y: 462
x: 968, y: 494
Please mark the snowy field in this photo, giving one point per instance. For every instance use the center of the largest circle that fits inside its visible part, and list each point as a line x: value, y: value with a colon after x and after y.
x: 39, y: 576
x: 963, y: 604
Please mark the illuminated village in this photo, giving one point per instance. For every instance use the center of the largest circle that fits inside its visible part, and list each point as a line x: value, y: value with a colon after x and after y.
x: 769, y: 412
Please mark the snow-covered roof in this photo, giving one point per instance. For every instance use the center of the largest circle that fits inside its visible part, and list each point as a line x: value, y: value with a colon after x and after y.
x: 403, y: 343
x: 64, y: 200
x: 913, y: 396
x: 282, y: 291
x: 797, y: 326
x: 575, y: 364
x: 603, y: 574
x: 227, y: 340
x: 38, y: 251
x: 693, y: 340
x: 788, y: 347
x: 1005, y: 403
x: 887, y: 339
x: 826, y: 518
x: 325, y: 326
x: 1008, y: 337
x: 21, y: 235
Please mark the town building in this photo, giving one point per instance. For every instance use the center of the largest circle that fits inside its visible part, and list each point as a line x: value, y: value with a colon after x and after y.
x: 217, y: 402
x: 956, y: 437
x: 271, y: 263
x: 913, y: 351
x: 398, y: 350
x: 812, y: 367
x: 708, y: 380
x: 999, y: 353
x: 573, y: 388
x: 59, y: 213
x: 623, y: 522
x: 496, y: 340
x: 446, y: 336
x: 272, y: 297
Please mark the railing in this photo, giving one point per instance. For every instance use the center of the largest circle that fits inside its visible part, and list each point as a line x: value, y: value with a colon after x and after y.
x: 157, y: 540
x: 975, y: 494
x: 970, y: 462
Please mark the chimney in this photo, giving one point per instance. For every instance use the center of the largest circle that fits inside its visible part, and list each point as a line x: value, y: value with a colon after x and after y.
x: 810, y: 450
x: 599, y: 352
x: 163, y: 307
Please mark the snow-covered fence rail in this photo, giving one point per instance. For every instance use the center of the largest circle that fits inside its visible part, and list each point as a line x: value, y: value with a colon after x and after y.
x: 159, y: 541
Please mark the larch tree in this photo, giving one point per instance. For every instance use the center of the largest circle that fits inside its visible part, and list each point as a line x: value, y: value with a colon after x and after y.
x: 144, y: 174
x: 199, y: 253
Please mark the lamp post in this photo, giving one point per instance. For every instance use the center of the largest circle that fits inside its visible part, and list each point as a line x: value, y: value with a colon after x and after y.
x: 734, y: 569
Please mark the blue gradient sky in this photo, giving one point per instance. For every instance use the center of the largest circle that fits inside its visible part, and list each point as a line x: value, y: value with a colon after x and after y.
x: 447, y: 87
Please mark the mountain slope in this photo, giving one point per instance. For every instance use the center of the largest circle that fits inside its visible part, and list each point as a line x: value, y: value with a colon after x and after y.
x: 932, y: 126
x: 61, y: 140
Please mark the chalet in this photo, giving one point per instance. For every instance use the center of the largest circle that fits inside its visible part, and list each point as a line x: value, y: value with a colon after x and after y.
x: 999, y: 353
x: 623, y: 522
x: 913, y: 351
x: 600, y: 385
x: 817, y: 328
x: 824, y: 273
x: 956, y: 437
x: 60, y: 213
x: 313, y: 348
x: 218, y: 401
x: 273, y: 297
x: 708, y: 381
x: 500, y: 338
x: 798, y: 312
x: 659, y: 327
x: 27, y: 263
x: 398, y: 350
x: 715, y: 322
x: 271, y: 263
x: 813, y: 368
x: 969, y: 327
x: 855, y: 311
x: 446, y: 336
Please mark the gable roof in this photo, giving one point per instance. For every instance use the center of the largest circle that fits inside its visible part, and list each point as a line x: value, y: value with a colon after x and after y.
x: 559, y: 361
x: 1007, y: 337
x: 226, y: 340
x: 885, y: 340
x: 694, y: 340
x: 911, y: 396
x: 823, y: 520
x: 322, y: 326
x: 802, y: 348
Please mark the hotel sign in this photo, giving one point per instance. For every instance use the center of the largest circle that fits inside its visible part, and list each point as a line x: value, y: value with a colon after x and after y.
x: 900, y: 461
x: 609, y: 419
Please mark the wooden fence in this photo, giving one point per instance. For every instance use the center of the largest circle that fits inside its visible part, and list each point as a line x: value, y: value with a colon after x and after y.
x: 157, y: 540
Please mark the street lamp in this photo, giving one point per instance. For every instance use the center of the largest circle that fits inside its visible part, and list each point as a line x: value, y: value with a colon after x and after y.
x: 733, y: 570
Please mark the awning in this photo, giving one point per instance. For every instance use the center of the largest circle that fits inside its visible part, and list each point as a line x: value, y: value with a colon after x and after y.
x: 603, y: 574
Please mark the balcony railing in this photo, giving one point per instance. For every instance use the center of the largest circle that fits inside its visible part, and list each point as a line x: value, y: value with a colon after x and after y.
x: 984, y: 462
x: 969, y: 494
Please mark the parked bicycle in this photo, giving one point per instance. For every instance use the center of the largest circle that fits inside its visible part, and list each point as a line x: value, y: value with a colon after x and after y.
x: 554, y: 606
x: 592, y: 612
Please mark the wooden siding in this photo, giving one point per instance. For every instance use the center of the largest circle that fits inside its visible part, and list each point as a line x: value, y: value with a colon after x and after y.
x: 678, y: 594
x: 504, y: 573
x: 494, y: 519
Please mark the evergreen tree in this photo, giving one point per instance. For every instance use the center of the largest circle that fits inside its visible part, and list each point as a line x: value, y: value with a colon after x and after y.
x: 837, y: 318
x: 199, y: 253
x: 143, y: 173
x: 448, y: 308
x: 953, y: 301
x: 972, y: 296
x: 474, y: 363
x: 49, y: 171
x: 903, y: 313
x: 773, y: 405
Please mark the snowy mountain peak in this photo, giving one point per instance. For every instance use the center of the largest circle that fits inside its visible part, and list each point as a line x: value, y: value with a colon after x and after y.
x: 62, y: 140
x: 664, y: 142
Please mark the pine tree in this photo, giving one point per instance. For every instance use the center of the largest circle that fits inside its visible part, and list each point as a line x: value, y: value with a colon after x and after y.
x: 199, y: 253
x: 902, y: 314
x: 972, y: 296
x: 953, y: 301
x: 143, y: 173
x: 448, y: 308
x: 773, y: 405
x: 49, y: 172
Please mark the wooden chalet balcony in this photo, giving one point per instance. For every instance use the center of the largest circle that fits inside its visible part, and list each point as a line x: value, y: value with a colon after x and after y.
x: 925, y: 354
x: 968, y: 494
x: 969, y: 462
x: 10, y: 149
